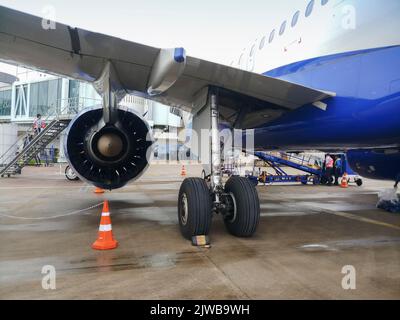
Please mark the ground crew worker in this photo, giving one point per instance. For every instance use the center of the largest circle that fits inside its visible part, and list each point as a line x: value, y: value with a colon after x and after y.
x: 38, y: 124
x: 329, y: 169
x: 338, y: 169
x: 27, y: 140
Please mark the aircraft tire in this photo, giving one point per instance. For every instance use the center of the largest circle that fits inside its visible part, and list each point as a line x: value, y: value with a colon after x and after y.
x: 70, y: 175
x: 244, y: 220
x: 194, y: 208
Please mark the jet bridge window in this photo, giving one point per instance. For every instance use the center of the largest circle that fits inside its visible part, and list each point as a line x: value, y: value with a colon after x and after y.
x: 282, y: 29
x: 262, y: 43
x: 295, y: 19
x: 271, y: 36
x: 5, y: 103
x: 310, y: 8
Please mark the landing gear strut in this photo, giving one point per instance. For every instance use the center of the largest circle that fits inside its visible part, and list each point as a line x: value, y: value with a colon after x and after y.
x: 237, y: 201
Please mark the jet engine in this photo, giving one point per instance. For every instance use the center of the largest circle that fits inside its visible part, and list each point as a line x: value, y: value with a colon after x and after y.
x: 108, y: 156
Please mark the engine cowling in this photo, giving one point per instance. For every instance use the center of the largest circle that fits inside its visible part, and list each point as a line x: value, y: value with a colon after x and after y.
x: 108, y: 156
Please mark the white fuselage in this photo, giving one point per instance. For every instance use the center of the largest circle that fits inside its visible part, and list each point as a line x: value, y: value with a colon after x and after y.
x: 338, y: 26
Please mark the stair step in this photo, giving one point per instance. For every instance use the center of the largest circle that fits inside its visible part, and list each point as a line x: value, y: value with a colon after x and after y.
x: 36, y: 146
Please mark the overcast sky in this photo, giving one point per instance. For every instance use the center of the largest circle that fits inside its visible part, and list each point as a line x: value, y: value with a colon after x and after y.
x: 215, y: 30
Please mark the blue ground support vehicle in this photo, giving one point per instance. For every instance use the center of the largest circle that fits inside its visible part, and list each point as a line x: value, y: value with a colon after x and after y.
x: 314, y: 172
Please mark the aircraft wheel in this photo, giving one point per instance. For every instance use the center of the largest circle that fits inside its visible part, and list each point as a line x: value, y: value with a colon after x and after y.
x: 203, y: 175
x: 243, y: 218
x: 70, y: 174
x: 359, y: 182
x: 194, y: 208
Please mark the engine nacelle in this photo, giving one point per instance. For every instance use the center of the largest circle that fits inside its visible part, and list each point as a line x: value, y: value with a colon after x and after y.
x: 108, y: 156
x: 375, y: 164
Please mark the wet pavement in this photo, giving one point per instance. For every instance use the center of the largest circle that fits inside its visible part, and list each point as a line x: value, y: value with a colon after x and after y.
x: 307, y: 234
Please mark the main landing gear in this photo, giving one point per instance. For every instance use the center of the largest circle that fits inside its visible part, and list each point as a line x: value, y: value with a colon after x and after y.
x: 237, y: 201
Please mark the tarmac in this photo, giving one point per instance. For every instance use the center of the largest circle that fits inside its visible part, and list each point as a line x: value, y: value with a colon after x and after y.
x: 307, y: 238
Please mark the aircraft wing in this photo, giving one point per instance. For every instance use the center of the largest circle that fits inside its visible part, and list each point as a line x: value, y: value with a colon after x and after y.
x: 164, y: 75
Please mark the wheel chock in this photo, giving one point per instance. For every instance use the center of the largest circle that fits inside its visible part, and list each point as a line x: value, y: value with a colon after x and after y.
x: 201, y: 241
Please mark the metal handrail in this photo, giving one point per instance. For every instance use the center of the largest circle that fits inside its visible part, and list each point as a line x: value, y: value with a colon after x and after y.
x: 73, y: 104
x: 300, y: 160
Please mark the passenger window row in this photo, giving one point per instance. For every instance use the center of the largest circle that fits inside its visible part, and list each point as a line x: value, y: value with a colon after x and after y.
x: 295, y: 20
x: 282, y: 29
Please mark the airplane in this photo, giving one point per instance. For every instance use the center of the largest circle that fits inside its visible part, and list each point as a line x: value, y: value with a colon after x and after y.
x: 326, y: 78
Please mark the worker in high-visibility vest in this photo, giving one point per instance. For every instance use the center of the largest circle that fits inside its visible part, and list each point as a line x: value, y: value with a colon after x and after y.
x: 329, y: 162
x: 38, y: 124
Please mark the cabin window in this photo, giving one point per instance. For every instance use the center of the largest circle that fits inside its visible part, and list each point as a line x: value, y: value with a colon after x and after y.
x: 271, y: 36
x: 282, y: 29
x: 252, y: 50
x: 262, y: 43
x: 324, y: 2
x: 240, y: 60
x: 295, y: 19
x: 310, y: 8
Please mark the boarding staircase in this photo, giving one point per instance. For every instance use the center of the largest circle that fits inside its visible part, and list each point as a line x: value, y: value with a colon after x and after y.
x: 13, y: 160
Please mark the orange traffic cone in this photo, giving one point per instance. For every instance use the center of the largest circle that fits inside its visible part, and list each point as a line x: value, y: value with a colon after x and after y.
x: 344, y: 183
x: 105, y: 239
x: 183, y: 172
x: 98, y: 190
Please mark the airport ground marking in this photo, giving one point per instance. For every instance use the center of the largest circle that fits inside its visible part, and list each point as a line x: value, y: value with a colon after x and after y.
x: 355, y: 217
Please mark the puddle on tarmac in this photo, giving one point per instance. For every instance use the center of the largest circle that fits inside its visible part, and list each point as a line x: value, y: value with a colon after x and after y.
x: 30, y: 269
x: 39, y: 226
x: 319, y: 195
x: 317, y: 247
x: 108, y: 261
x: 350, y: 243
x: 159, y: 186
x: 333, y: 205
x: 122, y: 198
x: 12, y: 271
x: 287, y: 214
x: 163, y: 216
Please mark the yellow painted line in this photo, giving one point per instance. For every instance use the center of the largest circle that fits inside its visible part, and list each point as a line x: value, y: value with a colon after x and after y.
x: 355, y: 217
x: 367, y: 220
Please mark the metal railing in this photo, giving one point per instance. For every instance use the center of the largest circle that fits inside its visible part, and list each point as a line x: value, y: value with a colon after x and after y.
x: 310, y: 160
x: 71, y: 108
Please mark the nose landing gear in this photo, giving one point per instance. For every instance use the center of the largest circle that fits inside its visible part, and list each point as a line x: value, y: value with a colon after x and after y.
x: 194, y: 208
x: 237, y: 201
x: 242, y: 216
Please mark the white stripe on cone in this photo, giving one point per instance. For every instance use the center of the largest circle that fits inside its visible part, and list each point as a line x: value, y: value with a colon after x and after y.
x: 105, y: 214
x: 105, y: 227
